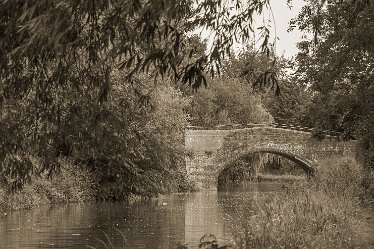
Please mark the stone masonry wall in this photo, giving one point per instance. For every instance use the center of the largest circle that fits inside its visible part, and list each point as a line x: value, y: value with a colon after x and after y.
x: 211, y: 150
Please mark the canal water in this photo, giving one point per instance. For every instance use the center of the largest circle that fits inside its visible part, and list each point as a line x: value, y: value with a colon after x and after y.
x: 158, y: 223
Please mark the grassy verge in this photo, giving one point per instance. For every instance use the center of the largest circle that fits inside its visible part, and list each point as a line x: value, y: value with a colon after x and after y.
x: 324, y: 213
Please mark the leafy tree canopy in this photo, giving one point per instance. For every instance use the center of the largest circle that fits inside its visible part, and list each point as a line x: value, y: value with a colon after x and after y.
x: 51, y: 41
x: 337, y: 64
x: 70, y: 72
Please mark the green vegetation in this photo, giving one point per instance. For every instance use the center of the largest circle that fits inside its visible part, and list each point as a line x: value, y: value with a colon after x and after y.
x: 89, y: 108
x: 227, y: 100
x: 94, y: 82
x: 332, y: 85
x: 121, y: 146
x: 324, y: 213
x: 74, y: 184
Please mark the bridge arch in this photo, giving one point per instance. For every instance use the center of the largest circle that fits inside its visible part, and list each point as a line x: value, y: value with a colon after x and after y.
x: 303, y: 164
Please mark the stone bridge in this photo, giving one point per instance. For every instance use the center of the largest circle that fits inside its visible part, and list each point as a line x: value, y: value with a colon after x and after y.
x: 212, y: 151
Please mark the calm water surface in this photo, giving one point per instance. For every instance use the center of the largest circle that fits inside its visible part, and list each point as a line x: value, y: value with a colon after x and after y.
x: 159, y: 223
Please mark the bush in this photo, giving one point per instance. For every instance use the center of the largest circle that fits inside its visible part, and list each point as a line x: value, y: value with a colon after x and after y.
x: 72, y: 184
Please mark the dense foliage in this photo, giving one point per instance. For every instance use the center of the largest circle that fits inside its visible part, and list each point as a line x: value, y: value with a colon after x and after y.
x: 92, y: 81
x: 227, y: 101
x: 337, y: 64
x: 289, y: 104
x: 130, y: 146
x: 292, y: 106
x: 234, y: 97
x: 72, y: 76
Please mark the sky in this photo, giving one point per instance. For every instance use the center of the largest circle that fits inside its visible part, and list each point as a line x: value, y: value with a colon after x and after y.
x: 286, y: 42
x: 286, y: 45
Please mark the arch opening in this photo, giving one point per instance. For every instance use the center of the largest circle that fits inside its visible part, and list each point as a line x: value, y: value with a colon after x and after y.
x: 308, y: 169
x: 245, y: 168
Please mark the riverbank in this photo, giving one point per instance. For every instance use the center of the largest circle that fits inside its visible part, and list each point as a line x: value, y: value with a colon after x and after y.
x: 74, y: 184
x: 286, y: 178
x: 333, y: 210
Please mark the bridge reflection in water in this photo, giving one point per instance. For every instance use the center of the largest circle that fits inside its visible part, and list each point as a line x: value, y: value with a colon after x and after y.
x: 159, y: 223
x: 203, y: 217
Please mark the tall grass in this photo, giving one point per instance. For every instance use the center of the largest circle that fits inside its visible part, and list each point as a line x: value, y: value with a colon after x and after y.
x: 324, y: 213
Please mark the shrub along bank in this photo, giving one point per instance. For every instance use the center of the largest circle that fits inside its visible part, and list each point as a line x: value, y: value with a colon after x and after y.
x: 74, y: 183
x: 130, y: 144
